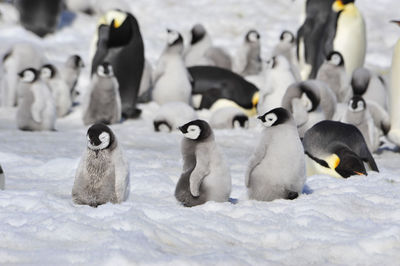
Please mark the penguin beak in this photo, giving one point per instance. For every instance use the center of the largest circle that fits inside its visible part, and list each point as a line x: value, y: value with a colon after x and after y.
x: 358, y: 173
x: 338, y: 6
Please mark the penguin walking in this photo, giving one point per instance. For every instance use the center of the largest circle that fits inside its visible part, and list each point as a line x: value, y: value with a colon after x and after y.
x: 333, y: 73
x: 2, y: 179
x: 103, y: 172
x: 249, y: 55
x: 172, y: 115
x: 70, y: 72
x: 103, y: 102
x: 36, y: 109
x: 59, y: 89
x: 171, y: 78
x: 205, y: 175
x: 394, y: 134
x: 201, y: 51
x: 266, y: 179
x: 337, y: 149
x: 229, y: 118
x: 120, y: 43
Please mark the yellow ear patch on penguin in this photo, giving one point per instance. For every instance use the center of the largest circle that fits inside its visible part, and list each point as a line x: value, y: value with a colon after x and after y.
x: 333, y: 161
x: 338, y: 6
x: 255, y: 99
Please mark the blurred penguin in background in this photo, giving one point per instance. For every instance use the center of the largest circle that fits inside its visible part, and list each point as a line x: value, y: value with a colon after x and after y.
x: 172, y: 115
x: 70, y: 72
x: 229, y: 118
x: 40, y: 16
x: 249, y: 55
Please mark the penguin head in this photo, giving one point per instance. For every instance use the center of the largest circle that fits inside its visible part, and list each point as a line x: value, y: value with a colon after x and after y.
x: 275, y: 117
x: 162, y: 126
x: 344, y: 161
x: 105, y: 70
x: 357, y: 104
x: 252, y: 36
x: 47, y: 72
x: 174, y: 39
x: 29, y: 75
x: 196, y: 130
x: 287, y: 37
x: 75, y: 62
x: 118, y: 28
x: 360, y: 80
x: 198, y: 32
x: 240, y: 121
x: 335, y: 58
x: 340, y: 5
x: 99, y: 137
x: 309, y: 97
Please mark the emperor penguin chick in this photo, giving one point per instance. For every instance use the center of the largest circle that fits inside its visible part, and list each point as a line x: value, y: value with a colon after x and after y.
x: 103, y: 172
x: 103, y: 103
x: 171, y: 78
x: 70, y: 72
x: 59, y: 89
x: 266, y: 178
x: 36, y: 109
x: 172, y: 115
x: 205, y: 175
x: 249, y: 55
x: 229, y: 117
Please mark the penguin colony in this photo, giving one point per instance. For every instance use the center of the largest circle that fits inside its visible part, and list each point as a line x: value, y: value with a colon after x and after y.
x: 309, y: 81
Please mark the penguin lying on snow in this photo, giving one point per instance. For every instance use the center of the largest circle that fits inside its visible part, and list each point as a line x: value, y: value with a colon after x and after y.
x: 36, y: 109
x: 249, y: 55
x: 103, y: 102
x: 171, y: 78
x: 2, y: 179
x: 229, y: 118
x: 172, y: 115
x: 336, y: 149
x: 205, y: 175
x: 217, y: 87
x: 120, y: 43
x: 103, y: 172
x: 265, y: 178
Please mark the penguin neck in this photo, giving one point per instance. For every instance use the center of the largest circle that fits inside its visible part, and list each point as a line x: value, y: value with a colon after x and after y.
x: 356, y: 118
x: 351, y: 9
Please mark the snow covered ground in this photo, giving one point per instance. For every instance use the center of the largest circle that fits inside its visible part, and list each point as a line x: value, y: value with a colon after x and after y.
x: 335, y: 221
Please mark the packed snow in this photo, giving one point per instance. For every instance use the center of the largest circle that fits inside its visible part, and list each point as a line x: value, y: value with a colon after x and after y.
x: 334, y: 221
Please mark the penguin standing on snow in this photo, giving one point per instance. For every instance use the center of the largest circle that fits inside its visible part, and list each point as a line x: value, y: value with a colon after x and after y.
x: 336, y: 149
x: 59, y: 89
x: 172, y: 115
x: 394, y: 134
x: 171, y: 78
x: 36, y: 109
x: 2, y: 179
x: 70, y: 72
x: 103, y: 172
x: 205, y: 175
x: 249, y: 55
x: 103, y: 102
x: 229, y: 118
x: 265, y: 178
x: 202, y: 52
x: 120, y: 43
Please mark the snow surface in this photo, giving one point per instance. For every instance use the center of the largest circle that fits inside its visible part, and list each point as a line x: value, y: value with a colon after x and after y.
x: 335, y: 221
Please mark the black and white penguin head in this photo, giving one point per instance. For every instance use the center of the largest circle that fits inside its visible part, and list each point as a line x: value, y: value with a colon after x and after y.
x: 357, y: 104
x: 309, y: 97
x: 99, y: 137
x: 196, y: 130
x: 340, y: 5
x: 29, y: 75
x: 240, y: 121
x: 75, y: 62
x: 344, y: 161
x: 105, y: 70
x: 174, y: 38
x: 360, y: 80
x: 335, y: 58
x: 252, y: 36
x: 48, y: 71
x: 162, y: 126
x: 198, y: 32
x: 278, y: 62
x: 275, y: 117
x: 287, y: 37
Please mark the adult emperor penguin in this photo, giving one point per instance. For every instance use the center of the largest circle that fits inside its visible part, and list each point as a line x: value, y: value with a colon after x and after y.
x: 18, y: 58
x: 202, y: 52
x: 333, y: 73
x: 216, y: 87
x: 103, y: 102
x: 120, y: 43
x: 337, y: 149
x: 172, y: 115
x: 205, y: 174
x: 36, y: 108
x: 309, y: 101
x: 171, y: 78
x: 59, y: 89
x: 229, y: 118
x: 103, y: 172
x: 40, y: 16
x: 350, y: 36
x: 265, y: 178
x: 2, y: 179
x: 394, y: 134
x: 70, y: 72
x: 249, y: 55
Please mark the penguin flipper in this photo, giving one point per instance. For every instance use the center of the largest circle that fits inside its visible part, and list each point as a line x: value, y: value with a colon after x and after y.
x: 201, y: 170
x: 255, y: 160
x: 366, y: 156
x: 380, y: 116
x: 210, y: 97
